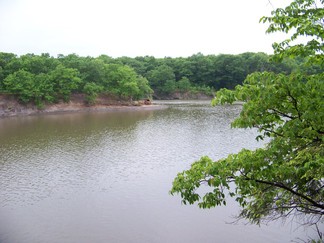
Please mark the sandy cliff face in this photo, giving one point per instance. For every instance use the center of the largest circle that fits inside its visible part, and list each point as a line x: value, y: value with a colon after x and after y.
x: 9, y: 106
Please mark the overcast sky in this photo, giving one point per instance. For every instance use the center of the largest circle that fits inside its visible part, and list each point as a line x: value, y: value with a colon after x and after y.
x: 135, y: 27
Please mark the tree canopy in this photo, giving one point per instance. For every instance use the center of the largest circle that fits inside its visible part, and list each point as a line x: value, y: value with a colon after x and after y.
x: 139, y: 77
x: 147, y: 76
x: 40, y: 79
x: 286, y: 176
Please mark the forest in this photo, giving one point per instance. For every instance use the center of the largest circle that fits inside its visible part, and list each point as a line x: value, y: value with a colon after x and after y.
x: 44, y: 79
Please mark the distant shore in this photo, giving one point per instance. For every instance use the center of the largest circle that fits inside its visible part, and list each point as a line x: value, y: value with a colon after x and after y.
x: 10, y: 107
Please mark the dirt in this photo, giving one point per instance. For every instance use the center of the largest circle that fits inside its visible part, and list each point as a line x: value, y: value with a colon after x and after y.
x: 9, y: 106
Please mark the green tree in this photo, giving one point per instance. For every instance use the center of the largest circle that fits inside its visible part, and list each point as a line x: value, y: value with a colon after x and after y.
x: 149, y: 63
x: 184, y: 84
x: 302, y: 18
x: 122, y: 81
x: 5, y: 58
x: 159, y: 76
x: 182, y: 68
x: 286, y: 177
x: 144, y: 87
x: 230, y: 70
x: 137, y: 65
x: 169, y: 86
x: 20, y: 83
x: 202, y: 69
x: 43, y: 89
x: 32, y: 63
x: 30, y: 87
x: 65, y: 81
x: 92, y: 90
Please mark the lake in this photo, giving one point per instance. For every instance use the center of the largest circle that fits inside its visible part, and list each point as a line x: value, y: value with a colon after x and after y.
x: 105, y: 177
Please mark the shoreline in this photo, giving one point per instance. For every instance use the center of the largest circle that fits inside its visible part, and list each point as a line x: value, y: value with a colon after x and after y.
x: 77, y: 109
x: 12, y: 108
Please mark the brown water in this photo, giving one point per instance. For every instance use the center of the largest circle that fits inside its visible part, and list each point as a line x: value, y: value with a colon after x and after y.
x: 105, y: 177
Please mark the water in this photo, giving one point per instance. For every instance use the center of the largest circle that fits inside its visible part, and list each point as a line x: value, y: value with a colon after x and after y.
x: 105, y: 177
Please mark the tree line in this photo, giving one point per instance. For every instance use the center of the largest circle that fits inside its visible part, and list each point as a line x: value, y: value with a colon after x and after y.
x: 43, y: 78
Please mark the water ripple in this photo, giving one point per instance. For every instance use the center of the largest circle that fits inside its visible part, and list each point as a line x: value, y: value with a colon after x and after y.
x: 104, y: 177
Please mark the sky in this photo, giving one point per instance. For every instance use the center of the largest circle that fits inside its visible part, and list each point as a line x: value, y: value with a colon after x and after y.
x: 160, y: 28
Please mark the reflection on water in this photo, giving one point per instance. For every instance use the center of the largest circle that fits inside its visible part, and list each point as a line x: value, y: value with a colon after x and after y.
x: 105, y: 177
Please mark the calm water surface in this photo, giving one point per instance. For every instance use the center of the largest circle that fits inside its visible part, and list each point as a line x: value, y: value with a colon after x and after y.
x: 105, y: 177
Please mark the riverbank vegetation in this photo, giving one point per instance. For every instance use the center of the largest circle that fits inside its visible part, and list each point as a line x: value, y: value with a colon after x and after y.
x: 286, y: 177
x: 45, y: 79
x: 39, y: 79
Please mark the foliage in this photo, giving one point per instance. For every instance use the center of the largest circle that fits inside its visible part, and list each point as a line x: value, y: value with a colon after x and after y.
x: 302, y: 18
x: 166, y: 76
x: 287, y: 175
x: 65, y: 81
x: 30, y: 87
x: 184, y: 84
x: 92, y: 90
x: 145, y: 90
x: 43, y: 78
x: 121, y: 81
x: 5, y: 58
x: 22, y: 83
x: 284, y: 176
x: 162, y: 78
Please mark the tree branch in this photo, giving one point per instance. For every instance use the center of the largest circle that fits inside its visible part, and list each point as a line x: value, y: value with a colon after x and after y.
x: 295, y: 103
x: 280, y: 185
x: 282, y: 114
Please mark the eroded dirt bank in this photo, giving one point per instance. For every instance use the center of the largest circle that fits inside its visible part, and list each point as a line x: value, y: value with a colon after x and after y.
x: 9, y: 106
